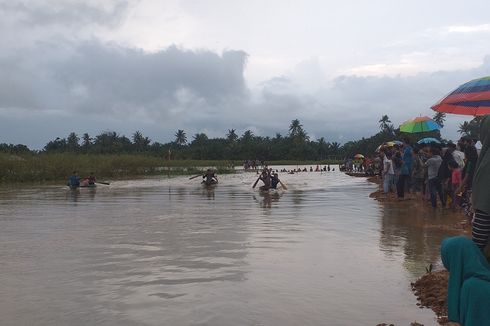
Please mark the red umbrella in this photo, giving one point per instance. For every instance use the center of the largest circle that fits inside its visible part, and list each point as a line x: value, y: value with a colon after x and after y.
x: 472, y: 98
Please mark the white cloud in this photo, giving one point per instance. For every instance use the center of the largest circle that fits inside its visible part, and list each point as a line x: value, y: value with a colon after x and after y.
x: 159, y: 66
x: 482, y: 28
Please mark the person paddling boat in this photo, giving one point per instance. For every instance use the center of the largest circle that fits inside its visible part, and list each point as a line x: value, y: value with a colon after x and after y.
x: 209, y: 178
x: 265, y: 177
x: 88, y: 181
x: 74, y: 181
x: 275, y: 181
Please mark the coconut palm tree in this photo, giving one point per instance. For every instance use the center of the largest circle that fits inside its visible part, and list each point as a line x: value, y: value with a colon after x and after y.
x: 231, y: 136
x: 334, y: 147
x: 440, y: 118
x: 180, y: 137
x: 297, y: 133
x: 385, y: 123
x: 464, y: 128
x: 86, y: 142
x: 200, y: 138
x: 248, y: 135
x: 140, y: 142
x: 72, y: 142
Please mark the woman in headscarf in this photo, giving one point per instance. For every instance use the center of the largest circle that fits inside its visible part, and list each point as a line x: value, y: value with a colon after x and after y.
x: 468, y: 300
x: 481, y: 189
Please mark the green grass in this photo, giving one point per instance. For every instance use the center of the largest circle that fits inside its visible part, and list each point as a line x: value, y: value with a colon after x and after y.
x: 58, y: 167
x: 55, y: 168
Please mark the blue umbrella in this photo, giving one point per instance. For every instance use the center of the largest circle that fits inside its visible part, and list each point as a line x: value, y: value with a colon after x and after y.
x: 428, y: 140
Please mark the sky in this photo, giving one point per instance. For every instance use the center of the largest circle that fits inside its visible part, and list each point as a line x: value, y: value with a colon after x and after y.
x: 214, y: 65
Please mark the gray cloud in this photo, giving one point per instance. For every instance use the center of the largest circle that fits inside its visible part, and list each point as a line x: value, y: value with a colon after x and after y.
x: 64, y: 13
x: 105, y: 87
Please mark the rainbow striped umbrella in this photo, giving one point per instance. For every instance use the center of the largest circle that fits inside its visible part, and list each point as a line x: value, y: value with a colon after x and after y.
x: 472, y: 98
x: 419, y: 124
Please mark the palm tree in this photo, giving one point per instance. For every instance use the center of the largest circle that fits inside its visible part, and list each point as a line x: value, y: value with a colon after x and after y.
x: 72, y: 142
x: 231, y: 136
x: 322, y: 147
x: 439, y: 117
x: 464, y: 128
x: 334, y: 147
x: 385, y: 123
x: 472, y: 128
x: 200, y: 138
x: 140, y: 142
x: 295, y: 127
x: 86, y: 142
x: 248, y: 135
x: 180, y: 137
x: 297, y: 133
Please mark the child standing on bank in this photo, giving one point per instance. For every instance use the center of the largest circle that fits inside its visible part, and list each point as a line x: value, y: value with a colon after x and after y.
x: 455, y: 182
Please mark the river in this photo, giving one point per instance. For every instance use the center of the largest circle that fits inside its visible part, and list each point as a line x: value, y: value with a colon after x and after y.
x: 165, y: 251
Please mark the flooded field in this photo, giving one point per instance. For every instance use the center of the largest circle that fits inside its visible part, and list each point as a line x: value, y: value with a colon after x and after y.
x: 170, y: 252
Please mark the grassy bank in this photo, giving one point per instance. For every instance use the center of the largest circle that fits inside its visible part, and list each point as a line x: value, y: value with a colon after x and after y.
x: 57, y: 167
x: 41, y: 168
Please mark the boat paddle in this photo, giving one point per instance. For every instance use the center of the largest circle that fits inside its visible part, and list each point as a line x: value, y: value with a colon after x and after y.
x: 256, y: 182
x: 199, y: 175
x: 103, y: 183
x: 283, y: 185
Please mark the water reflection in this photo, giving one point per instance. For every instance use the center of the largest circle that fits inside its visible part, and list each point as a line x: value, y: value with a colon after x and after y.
x: 73, y: 195
x: 266, y: 198
x: 411, y: 227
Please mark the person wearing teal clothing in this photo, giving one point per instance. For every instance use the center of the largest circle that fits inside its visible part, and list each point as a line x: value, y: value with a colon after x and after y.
x: 469, y: 282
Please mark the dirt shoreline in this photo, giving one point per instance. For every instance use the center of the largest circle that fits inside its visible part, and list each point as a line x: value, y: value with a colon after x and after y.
x: 430, y: 289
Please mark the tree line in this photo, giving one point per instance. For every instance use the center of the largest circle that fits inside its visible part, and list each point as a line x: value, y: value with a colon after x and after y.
x: 296, y: 145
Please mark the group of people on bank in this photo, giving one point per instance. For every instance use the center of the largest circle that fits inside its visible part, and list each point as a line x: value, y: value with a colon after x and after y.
x: 436, y: 171
x: 460, y: 173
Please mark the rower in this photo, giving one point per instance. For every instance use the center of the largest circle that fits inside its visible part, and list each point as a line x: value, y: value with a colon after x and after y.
x: 74, y: 181
x: 265, y: 177
x: 210, y: 177
x: 91, y: 179
x: 274, y: 180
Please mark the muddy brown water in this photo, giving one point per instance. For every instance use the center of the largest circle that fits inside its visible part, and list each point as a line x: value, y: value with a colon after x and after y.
x: 168, y: 252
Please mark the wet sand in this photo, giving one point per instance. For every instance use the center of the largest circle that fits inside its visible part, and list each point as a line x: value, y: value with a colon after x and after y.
x: 431, y: 288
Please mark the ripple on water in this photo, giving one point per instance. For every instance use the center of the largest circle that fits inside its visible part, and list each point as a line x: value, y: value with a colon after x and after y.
x: 166, y: 251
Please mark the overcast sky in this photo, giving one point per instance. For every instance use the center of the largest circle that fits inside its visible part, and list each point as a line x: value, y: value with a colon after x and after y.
x: 212, y: 65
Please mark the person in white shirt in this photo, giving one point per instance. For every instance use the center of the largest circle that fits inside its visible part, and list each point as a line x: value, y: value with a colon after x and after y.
x: 457, y: 155
x: 388, y: 172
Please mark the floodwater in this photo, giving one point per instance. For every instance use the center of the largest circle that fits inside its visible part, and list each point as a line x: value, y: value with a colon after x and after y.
x: 168, y: 252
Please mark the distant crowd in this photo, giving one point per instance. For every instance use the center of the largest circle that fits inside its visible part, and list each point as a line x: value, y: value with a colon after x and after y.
x: 325, y: 168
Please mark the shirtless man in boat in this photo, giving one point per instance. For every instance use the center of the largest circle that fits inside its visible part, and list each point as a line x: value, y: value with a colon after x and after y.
x: 265, y: 177
x: 209, y: 178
